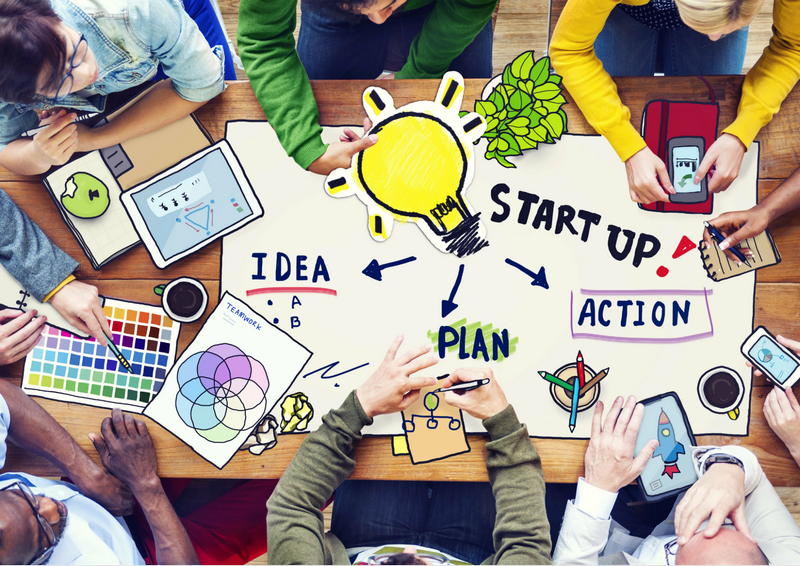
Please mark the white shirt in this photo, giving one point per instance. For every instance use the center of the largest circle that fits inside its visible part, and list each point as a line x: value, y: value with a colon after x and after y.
x: 92, y: 535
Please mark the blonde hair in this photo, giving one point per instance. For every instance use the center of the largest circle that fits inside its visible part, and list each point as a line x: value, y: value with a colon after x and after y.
x: 713, y: 16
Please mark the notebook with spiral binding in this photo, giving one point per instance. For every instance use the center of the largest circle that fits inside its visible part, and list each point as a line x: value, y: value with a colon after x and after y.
x: 719, y: 267
x: 13, y: 296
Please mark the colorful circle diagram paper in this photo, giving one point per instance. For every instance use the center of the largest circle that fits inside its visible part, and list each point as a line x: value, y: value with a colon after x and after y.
x: 223, y: 392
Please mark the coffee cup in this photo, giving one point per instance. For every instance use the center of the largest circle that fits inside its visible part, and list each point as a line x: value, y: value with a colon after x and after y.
x: 721, y: 391
x: 185, y: 299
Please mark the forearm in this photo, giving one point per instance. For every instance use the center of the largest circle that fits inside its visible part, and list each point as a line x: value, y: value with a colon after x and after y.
x: 172, y: 542
x: 784, y: 199
x: 19, y: 157
x: 521, y: 532
x: 33, y: 429
x: 295, y: 530
x: 160, y: 107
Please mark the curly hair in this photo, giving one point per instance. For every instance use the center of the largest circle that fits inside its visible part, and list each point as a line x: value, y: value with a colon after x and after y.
x: 32, y: 50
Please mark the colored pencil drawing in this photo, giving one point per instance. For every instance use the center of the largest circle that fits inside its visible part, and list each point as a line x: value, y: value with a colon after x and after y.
x: 522, y: 108
x: 433, y: 429
x: 420, y: 168
x: 566, y: 395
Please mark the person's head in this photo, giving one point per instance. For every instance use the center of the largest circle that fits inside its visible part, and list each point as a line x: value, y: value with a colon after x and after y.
x: 377, y: 11
x: 716, y: 18
x: 36, y: 52
x: 728, y: 546
x: 23, y: 537
x: 408, y: 556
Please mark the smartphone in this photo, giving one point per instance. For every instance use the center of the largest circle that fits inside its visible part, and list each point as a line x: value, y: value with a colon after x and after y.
x: 684, y: 156
x: 776, y: 362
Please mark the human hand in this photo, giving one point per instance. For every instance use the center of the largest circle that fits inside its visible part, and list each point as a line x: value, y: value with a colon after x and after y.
x: 738, y: 226
x: 392, y: 388
x: 783, y: 416
x: 484, y: 402
x: 80, y: 305
x: 609, y: 460
x: 647, y: 177
x: 56, y: 144
x: 127, y: 451
x: 86, y: 137
x: 725, y: 156
x: 106, y: 489
x: 791, y: 344
x: 719, y: 493
x: 19, y: 332
x: 386, y: 77
x: 351, y: 136
x: 339, y: 155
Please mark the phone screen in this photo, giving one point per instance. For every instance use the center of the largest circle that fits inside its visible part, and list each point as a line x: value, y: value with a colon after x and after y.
x: 771, y: 357
x: 685, y: 161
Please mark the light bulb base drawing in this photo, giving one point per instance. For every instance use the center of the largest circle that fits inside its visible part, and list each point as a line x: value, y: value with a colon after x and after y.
x: 466, y: 238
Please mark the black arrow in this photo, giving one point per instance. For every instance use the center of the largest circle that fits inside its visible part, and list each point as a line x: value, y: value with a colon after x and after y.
x: 539, y: 279
x: 374, y: 268
x: 448, y: 305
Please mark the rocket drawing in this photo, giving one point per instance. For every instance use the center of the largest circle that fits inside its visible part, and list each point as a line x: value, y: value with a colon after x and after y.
x: 668, y: 448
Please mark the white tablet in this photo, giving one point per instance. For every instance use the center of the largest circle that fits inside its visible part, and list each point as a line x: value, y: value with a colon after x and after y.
x: 202, y: 198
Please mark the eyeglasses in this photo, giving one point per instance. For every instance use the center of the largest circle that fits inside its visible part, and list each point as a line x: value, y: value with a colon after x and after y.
x: 78, y: 57
x: 427, y: 558
x: 671, y: 549
x: 47, y: 529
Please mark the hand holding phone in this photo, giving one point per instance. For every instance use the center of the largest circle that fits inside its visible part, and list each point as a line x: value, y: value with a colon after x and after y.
x: 684, y: 155
x: 777, y: 362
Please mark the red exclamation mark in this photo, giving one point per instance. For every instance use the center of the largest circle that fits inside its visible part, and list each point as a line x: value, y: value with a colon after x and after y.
x: 686, y: 245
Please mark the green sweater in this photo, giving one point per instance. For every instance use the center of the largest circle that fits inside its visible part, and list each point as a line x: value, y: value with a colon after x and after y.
x: 295, y: 532
x: 266, y: 46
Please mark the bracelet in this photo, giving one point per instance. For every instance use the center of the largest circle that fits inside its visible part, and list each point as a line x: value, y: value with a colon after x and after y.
x: 721, y: 459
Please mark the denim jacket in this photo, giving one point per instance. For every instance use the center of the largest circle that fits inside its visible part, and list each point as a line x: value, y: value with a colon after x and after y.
x: 129, y: 38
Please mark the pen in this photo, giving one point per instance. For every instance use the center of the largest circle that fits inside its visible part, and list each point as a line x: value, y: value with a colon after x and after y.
x: 33, y: 131
x: 717, y: 237
x: 462, y: 388
x: 113, y: 347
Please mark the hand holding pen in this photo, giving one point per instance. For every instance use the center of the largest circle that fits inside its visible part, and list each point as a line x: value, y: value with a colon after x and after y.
x: 482, y: 401
x: 723, y: 244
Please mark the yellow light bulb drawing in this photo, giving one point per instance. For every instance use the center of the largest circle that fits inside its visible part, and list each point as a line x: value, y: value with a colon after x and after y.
x: 420, y: 168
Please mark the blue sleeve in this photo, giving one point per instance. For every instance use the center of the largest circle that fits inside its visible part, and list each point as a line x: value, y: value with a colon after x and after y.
x: 5, y: 422
x: 13, y: 123
x: 196, y: 70
x: 27, y: 254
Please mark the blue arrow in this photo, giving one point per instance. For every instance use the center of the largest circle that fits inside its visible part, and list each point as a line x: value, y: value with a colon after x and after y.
x: 374, y: 268
x: 539, y: 279
x: 448, y: 305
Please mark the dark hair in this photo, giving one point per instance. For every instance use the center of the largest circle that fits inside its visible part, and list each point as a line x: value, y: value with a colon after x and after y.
x: 29, y: 44
x: 403, y: 559
x: 346, y: 10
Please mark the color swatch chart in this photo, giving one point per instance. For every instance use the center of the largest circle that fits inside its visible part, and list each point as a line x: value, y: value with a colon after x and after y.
x: 67, y: 368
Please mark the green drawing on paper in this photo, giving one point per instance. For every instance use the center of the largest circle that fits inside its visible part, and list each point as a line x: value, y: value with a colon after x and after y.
x: 296, y: 413
x: 471, y: 330
x: 85, y: 196
x: 523, y: 110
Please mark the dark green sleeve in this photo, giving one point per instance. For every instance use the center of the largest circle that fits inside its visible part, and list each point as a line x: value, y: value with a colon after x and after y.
x: 266, y: 46
x: 295, y: 529
x: 450, y: 27
x: 521, y: 531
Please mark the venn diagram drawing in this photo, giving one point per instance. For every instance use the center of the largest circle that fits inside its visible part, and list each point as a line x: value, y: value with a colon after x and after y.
x: 223, y: 392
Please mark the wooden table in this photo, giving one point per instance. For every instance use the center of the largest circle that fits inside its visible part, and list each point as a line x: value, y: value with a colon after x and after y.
x: 133, y: 277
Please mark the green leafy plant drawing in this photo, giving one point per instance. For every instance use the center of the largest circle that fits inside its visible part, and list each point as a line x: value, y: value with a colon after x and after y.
x: 523, y: 110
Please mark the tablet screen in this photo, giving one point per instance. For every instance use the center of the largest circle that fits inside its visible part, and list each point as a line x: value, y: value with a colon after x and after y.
x: 685, y: 161
x: 192, y: 205
x: 771, y: 357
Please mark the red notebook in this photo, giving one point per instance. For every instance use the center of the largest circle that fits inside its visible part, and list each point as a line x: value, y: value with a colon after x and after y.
x: 664, y: 120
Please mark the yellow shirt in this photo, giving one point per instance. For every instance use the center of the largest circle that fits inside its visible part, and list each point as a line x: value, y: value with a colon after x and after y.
x: 572, y: 53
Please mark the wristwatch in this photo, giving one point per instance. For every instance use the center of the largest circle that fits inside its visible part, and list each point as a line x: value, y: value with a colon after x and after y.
x: 721, y: 459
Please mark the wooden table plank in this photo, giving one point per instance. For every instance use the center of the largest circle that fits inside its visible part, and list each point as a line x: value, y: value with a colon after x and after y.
x: 133, y: 276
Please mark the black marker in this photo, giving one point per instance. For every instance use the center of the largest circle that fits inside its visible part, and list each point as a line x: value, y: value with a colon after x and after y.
x: 461, y: 388
x: 719, y: 238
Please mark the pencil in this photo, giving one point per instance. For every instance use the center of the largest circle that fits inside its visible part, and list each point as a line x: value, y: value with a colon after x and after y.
x: 594, y: 381
x: 573, y: 416
x: 113, y: 347
x: 553, y: 379
x: 581, y: 371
